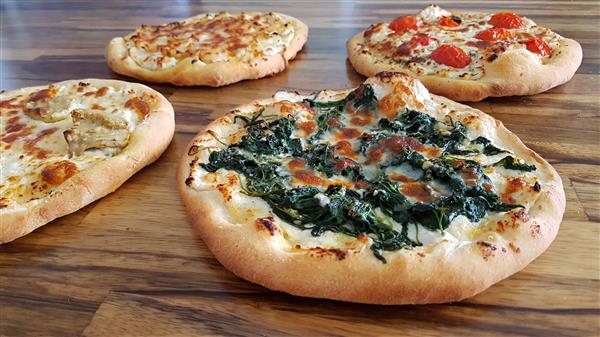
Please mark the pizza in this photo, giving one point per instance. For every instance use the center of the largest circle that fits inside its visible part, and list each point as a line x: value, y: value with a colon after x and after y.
x: 468, y: 56
x: 67, y: 144
x: 211, y: 49
x: 382, y: 194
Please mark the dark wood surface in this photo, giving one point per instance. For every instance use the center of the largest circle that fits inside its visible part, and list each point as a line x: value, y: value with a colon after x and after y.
x: 128, y: 264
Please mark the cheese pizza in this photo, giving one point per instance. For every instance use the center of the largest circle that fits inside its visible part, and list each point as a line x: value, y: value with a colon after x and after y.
x: 382, y: 194
x: 209, y: 49
x: 67, y: 144
x: 468, y: 56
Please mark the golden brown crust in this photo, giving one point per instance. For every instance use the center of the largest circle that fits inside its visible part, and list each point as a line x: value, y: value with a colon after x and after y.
x: 187, y: 73
x: 515, y: 72
x: 446, y: 272
x: 147, y: 142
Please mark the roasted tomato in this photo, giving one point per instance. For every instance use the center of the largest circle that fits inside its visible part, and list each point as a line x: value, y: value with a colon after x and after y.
x: 495, y: 34
x: 451, y: 55
x: 537, y: 45
x: 450, y: 21
x: 407, y: 47
x: 506, y: 20
x: 404, y: 23
x: 422, y: 39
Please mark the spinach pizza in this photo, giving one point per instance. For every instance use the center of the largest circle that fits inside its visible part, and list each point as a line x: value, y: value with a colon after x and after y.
x: 381, y: 194
x: 468, y: 56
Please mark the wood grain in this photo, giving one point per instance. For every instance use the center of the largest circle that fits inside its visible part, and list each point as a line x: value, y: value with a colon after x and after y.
x: 128, y: 265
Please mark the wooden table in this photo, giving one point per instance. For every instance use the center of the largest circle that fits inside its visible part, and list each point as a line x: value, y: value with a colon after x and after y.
x: 128, y: 264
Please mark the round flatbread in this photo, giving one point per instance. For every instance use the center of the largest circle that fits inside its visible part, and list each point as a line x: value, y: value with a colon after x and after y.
x: 383, y: 194
x: 209, y: 49
x: 67, y: 144
x: 468, y: 56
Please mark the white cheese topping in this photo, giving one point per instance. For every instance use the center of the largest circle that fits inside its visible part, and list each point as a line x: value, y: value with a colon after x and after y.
x: 433, y: 13
x: 386, y: 45
x: 32, y: 127
x: 245, y: 209
x: 210, y: 38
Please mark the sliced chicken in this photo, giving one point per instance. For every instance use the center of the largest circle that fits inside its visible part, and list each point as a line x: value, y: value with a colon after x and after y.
x: 96, y: 130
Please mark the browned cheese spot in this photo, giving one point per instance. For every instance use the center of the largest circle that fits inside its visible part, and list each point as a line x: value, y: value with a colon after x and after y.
x: 139, y: 106
x: 43, y: 94
x: 56, y: 173
x: 8, y: 104
x: 487, y: 249
x: 101, y: 92
x: 30, y: 145
x: 267, y: 223
x: 535, y: 230
x: 226, y: 189
x: 14, y: 130
x: 514, y: 185
x: 328, y: 252
x: 515, y: 218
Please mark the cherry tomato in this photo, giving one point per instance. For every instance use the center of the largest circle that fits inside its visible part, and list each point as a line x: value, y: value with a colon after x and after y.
x: 422, y: 39
x: 536, y: 45
x: 404, y: 23
x: 495, y: 34
x: 449, y: 22
x: 506, y: 20
x: 451, y: 55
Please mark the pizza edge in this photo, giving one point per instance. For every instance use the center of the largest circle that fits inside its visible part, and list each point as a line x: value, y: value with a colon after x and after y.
x: 186, y: 73
x: 147, y: 142
x: 408, y: 277
x: 502, y: 77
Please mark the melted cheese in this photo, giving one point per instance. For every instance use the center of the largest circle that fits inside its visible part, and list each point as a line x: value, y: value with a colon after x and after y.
x: 245, y: 209
x: 31, y: 135
x: 383, y: 43
x: 433, y: 13
x: 210, y: 38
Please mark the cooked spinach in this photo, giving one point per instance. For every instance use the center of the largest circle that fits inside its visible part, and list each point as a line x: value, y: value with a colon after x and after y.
x: 323, y: 123
x: 430, y: 216
x: 488, y: 148
x: 327, y: 111
x: 362, y: 97
x: 426, y: 129
x: 386, y: 195
x: 442, y: 171
x: 261, y: 152
x: 262, y: 178
x: 331, y: 105
x: 322, y: 158
x: 472, y: 204
x: 344, y: 213
x: 365, y: 97
x: 512, y: 163
x: 368, y: 140
x: 229, y: 159
x: 413, y: 158
x: 250, y: 121
x: 271, y: 138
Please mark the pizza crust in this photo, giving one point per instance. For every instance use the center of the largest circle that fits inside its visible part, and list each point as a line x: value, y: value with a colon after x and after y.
x: 514, y: 72
x: 448, y: 272
x: 146, y: 143
x: 186, y: 73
